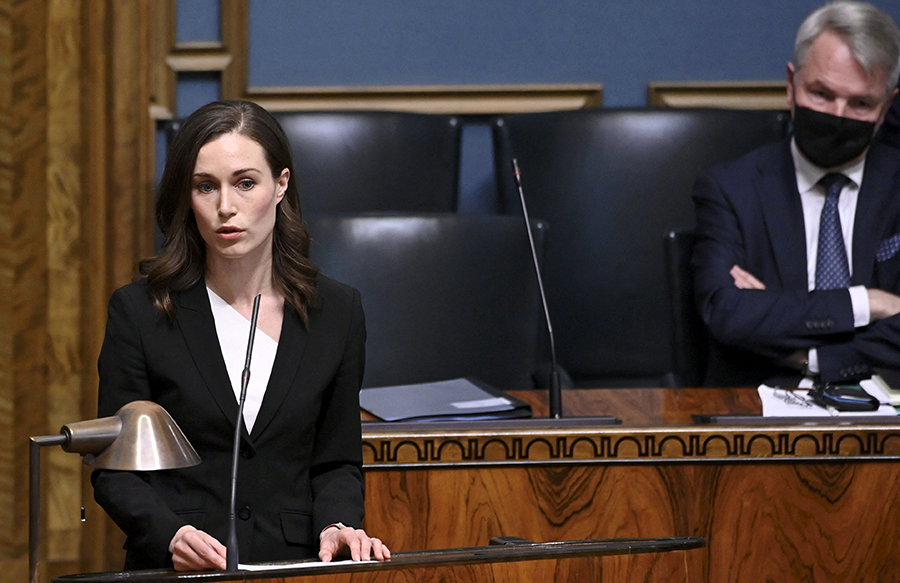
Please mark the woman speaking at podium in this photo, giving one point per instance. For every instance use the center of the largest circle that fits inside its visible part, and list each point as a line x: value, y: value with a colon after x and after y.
x: 229, y: 212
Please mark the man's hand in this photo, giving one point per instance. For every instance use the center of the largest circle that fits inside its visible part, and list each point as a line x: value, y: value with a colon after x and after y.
x: 798, y: 360
x: 882, y: 304
x: 745, y: 279
x: 194, y: 550
x: 362, y: 547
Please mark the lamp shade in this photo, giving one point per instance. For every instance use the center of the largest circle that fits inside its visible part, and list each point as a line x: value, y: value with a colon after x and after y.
x: 141, y: 436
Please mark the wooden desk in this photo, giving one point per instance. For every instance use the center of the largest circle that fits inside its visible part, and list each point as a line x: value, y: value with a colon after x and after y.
x: 660, y: 560
x: 775, y: 502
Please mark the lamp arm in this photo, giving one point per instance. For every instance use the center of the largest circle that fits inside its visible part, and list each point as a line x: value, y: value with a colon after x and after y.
x: 34, y: 497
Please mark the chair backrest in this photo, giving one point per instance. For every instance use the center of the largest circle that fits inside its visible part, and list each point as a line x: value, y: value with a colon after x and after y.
x: 690, y: 339
x: 445, y: 295
x: 890, y: 129
x: 374, y: 161
x: 611, y: 183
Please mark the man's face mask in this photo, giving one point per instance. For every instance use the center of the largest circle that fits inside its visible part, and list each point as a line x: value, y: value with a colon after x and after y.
x: 828, y: 140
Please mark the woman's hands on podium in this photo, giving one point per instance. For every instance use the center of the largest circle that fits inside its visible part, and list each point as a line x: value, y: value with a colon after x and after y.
x: 336, y: 538
x: 194, y: 550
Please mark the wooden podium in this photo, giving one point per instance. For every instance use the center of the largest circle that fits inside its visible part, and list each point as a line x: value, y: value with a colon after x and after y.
x: 504, y: 561
x: 776, y: 501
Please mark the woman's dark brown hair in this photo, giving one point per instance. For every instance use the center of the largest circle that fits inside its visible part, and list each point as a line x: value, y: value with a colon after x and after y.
x: 182, y: 261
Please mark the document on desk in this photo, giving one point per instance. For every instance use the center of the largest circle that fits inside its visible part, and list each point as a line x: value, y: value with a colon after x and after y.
x: 449, y: 400
x: 879, y: 387
x: 777, y: 402
x: 298, y: 565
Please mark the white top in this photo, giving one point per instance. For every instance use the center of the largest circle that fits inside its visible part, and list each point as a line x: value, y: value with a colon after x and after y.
x: 233, y: 331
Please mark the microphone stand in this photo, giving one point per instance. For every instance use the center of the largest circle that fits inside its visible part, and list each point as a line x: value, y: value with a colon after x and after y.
x: 231, y: 547
x: 555, y: 390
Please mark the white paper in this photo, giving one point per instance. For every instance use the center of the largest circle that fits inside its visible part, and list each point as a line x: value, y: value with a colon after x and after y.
x: 875, y: 388
x: 495, y: 402
x: 300, y: 565
x: 796, y: 403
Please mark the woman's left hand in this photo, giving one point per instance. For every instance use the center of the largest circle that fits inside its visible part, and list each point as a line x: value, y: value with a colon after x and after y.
x: 362, y: 547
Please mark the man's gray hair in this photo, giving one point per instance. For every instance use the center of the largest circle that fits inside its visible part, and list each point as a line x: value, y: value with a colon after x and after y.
x: 871, y: 34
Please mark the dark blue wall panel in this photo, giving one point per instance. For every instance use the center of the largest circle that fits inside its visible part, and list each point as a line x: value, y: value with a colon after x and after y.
x: 622, y: 44
x: 198, y: 20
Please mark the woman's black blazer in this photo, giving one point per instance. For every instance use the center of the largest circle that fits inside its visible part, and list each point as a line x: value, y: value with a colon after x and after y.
x: 301, y: 467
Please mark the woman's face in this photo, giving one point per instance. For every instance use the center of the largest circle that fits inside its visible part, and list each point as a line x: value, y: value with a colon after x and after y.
x: 234, y: 197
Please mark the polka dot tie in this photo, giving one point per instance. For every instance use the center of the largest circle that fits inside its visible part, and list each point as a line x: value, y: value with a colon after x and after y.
x: 832, y: 268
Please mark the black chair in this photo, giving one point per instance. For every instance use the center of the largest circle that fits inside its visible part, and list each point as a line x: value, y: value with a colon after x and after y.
x: 690, y: 339
x: 445, y: 295
x: 374, y: 161
x: 890, y: 130
x: 612, y: 182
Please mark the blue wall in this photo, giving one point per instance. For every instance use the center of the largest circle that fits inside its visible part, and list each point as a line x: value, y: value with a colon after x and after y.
x: 622, y: 44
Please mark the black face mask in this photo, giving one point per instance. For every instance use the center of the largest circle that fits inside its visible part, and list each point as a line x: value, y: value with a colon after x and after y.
x: 828, y: 140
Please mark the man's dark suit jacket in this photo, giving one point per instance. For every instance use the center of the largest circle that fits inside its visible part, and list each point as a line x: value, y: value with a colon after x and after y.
x: 749, y: 214
x: 300, y: 469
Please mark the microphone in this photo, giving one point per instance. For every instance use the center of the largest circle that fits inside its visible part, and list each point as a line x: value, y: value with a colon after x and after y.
x: 231, y: 547
x: 555, y: 391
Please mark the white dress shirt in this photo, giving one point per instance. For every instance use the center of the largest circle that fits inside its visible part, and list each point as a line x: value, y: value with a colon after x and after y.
x: 233, y: 331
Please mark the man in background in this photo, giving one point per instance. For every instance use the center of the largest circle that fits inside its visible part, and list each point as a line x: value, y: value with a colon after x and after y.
x: 796, y: 268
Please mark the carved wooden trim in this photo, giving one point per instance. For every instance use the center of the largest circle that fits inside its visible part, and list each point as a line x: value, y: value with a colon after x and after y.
x: 730, y: 94
x: 198, y: 60
x: 430, y: 448
x: 461, y: 99
x: 162, y: 74
x: 235, y: 21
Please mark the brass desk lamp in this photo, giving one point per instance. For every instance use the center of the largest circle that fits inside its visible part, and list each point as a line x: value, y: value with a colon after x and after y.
x: 141, y: 436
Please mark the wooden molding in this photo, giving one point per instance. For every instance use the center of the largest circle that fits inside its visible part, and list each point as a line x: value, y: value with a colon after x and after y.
x: 162, y: 74
x: 412, y: 445
x: 462, y: 99
x: 235, y: 21
x: 199, y: 61
x: 728, y: 94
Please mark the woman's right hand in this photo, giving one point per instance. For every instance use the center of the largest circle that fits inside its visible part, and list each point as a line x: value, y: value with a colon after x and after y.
x: 194, y: 550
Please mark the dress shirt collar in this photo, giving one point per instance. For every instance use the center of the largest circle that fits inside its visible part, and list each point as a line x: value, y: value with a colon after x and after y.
x: 808, y: 174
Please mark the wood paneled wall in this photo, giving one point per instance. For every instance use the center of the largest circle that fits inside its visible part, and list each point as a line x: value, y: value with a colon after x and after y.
x: 76, y: 179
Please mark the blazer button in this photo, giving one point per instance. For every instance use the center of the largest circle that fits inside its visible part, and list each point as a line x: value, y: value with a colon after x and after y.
x: 244, y: 513
x: 246, y: 453
x: 810, y: 325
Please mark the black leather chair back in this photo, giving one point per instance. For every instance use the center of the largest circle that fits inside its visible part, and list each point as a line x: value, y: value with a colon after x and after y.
x: 890, y: 130
x: 445, y: 295
x: 374, y: 161
x: 690, y: 339
x: 611, y: 183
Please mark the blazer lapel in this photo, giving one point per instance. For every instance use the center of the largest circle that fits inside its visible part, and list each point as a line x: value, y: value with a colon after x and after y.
x: 876, y: 196
x: 199, y: 330
x: 288, y: 356
x: 783, y: 215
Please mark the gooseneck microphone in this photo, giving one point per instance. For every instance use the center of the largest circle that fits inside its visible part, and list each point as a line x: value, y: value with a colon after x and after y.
x: 555, y: 391
x: 231, y: 547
